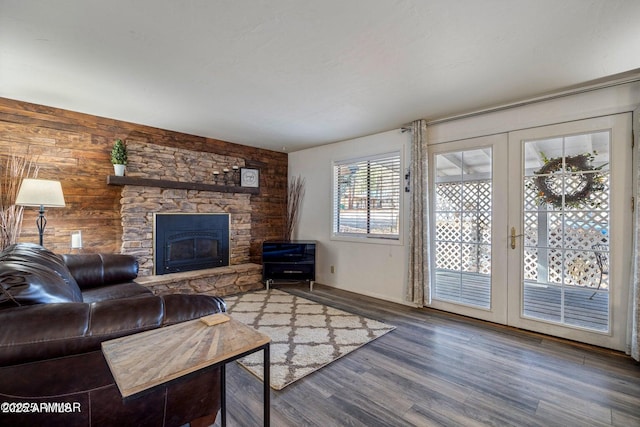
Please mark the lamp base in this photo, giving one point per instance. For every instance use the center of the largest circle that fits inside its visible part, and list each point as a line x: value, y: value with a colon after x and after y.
x: 41, y: 223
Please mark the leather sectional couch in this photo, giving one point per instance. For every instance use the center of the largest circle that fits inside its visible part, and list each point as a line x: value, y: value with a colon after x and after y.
x: 55, y: 310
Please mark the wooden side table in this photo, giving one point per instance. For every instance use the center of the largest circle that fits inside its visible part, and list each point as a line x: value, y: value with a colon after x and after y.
x: 142, y: 361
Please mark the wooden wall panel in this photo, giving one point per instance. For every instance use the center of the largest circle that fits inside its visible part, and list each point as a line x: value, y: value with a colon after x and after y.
x: 74, y: 149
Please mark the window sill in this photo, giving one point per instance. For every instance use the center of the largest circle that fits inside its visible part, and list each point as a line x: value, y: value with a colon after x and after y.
x: 391, y: 241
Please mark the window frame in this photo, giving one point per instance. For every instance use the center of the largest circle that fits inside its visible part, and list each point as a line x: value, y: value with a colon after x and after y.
x: 396, y: 238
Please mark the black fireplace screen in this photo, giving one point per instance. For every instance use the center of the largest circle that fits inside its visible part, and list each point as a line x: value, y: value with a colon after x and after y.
x: 186, y: 242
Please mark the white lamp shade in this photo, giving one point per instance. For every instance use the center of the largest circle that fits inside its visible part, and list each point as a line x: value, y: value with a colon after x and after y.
x: 40, y: 192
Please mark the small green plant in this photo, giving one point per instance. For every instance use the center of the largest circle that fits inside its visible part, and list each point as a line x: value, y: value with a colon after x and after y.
x: 119, y: 153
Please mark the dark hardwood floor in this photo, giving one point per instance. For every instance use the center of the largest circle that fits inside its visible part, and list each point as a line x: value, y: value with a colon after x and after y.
x: 438, y: 369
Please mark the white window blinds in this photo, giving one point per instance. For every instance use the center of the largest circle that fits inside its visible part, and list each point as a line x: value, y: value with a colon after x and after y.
x: 366, y: 197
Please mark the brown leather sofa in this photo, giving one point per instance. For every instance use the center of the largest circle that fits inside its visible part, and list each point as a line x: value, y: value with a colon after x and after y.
x: 54, y: 313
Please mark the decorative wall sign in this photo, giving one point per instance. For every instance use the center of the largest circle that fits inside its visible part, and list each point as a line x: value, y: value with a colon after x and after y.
x: 581, y: 180
x: 249, y: 177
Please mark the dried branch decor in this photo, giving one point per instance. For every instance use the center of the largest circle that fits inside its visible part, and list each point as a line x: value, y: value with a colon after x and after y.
x: 295, y: 194
x: 13, y: 170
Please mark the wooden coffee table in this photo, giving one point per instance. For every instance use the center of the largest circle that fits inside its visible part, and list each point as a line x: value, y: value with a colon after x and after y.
x: 147, y: 359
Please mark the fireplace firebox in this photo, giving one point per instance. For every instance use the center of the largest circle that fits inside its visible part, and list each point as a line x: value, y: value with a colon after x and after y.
x: 186, y: 242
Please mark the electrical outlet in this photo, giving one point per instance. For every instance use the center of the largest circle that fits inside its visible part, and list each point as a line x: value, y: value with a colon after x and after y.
x: 333, y: 269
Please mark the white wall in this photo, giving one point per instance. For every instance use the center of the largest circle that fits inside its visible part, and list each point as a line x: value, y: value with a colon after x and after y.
x: 374, y: 269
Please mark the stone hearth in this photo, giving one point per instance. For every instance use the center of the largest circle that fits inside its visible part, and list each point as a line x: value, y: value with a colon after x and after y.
x: 219, y: 281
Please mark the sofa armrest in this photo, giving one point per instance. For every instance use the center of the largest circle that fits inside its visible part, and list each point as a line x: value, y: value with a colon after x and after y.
x: 54, y: 330
x: 182, y: 307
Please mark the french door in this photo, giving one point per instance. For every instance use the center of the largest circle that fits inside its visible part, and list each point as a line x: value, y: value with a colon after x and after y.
x: 570, y: 211
x: 469, y: 195
x: 531, y: 228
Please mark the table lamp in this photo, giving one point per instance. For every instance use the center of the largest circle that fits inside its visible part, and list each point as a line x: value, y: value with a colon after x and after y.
x: 42, y: 193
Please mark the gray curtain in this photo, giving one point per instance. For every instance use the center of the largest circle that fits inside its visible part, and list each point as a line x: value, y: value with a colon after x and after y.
x: 418, y: 289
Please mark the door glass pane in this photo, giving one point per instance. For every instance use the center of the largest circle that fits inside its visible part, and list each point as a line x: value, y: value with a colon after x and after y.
x: 463, y: 227
x: 566, y: 230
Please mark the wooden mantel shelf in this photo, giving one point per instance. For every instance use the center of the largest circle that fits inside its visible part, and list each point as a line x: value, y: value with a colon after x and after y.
x: 146, y: 182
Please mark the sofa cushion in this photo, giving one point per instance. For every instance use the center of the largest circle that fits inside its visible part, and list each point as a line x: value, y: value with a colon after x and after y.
x: 30, y: 274
x: 95, y: 270
x: 122, y: 290
x: 44, y: 331
x: 86, y: 380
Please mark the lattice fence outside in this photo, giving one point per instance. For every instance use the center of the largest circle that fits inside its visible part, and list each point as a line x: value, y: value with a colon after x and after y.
x: 463, y: 226
x: 562, y: 240
x: 564, y: 244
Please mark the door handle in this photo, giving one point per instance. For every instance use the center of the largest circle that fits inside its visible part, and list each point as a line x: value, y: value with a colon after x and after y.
x: 513, y: 237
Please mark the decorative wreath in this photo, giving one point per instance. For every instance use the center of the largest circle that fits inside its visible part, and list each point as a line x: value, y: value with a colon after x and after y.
x: 590, y: 181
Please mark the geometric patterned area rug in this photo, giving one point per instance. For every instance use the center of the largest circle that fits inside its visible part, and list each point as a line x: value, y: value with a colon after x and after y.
x: 305, y: 335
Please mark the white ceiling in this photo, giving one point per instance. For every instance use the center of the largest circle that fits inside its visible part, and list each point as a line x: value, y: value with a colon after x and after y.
x: 289, y: 74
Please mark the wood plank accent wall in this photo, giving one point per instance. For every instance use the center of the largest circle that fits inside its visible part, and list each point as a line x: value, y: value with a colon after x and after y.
x: 74, y: 148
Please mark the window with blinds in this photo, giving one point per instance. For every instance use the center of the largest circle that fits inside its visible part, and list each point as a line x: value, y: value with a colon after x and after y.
x: 366, y: 197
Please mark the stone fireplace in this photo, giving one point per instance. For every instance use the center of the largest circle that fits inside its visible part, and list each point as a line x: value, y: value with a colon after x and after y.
x: 139, y: 204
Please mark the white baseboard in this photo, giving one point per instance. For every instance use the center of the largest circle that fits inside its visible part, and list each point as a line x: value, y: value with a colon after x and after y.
x: 375, y: 295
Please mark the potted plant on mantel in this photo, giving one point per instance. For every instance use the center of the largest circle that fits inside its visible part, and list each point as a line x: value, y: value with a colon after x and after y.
x: 119, y: 157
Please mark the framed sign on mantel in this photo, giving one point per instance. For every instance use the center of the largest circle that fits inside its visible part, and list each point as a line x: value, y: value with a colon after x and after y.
x: 249, y: 177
